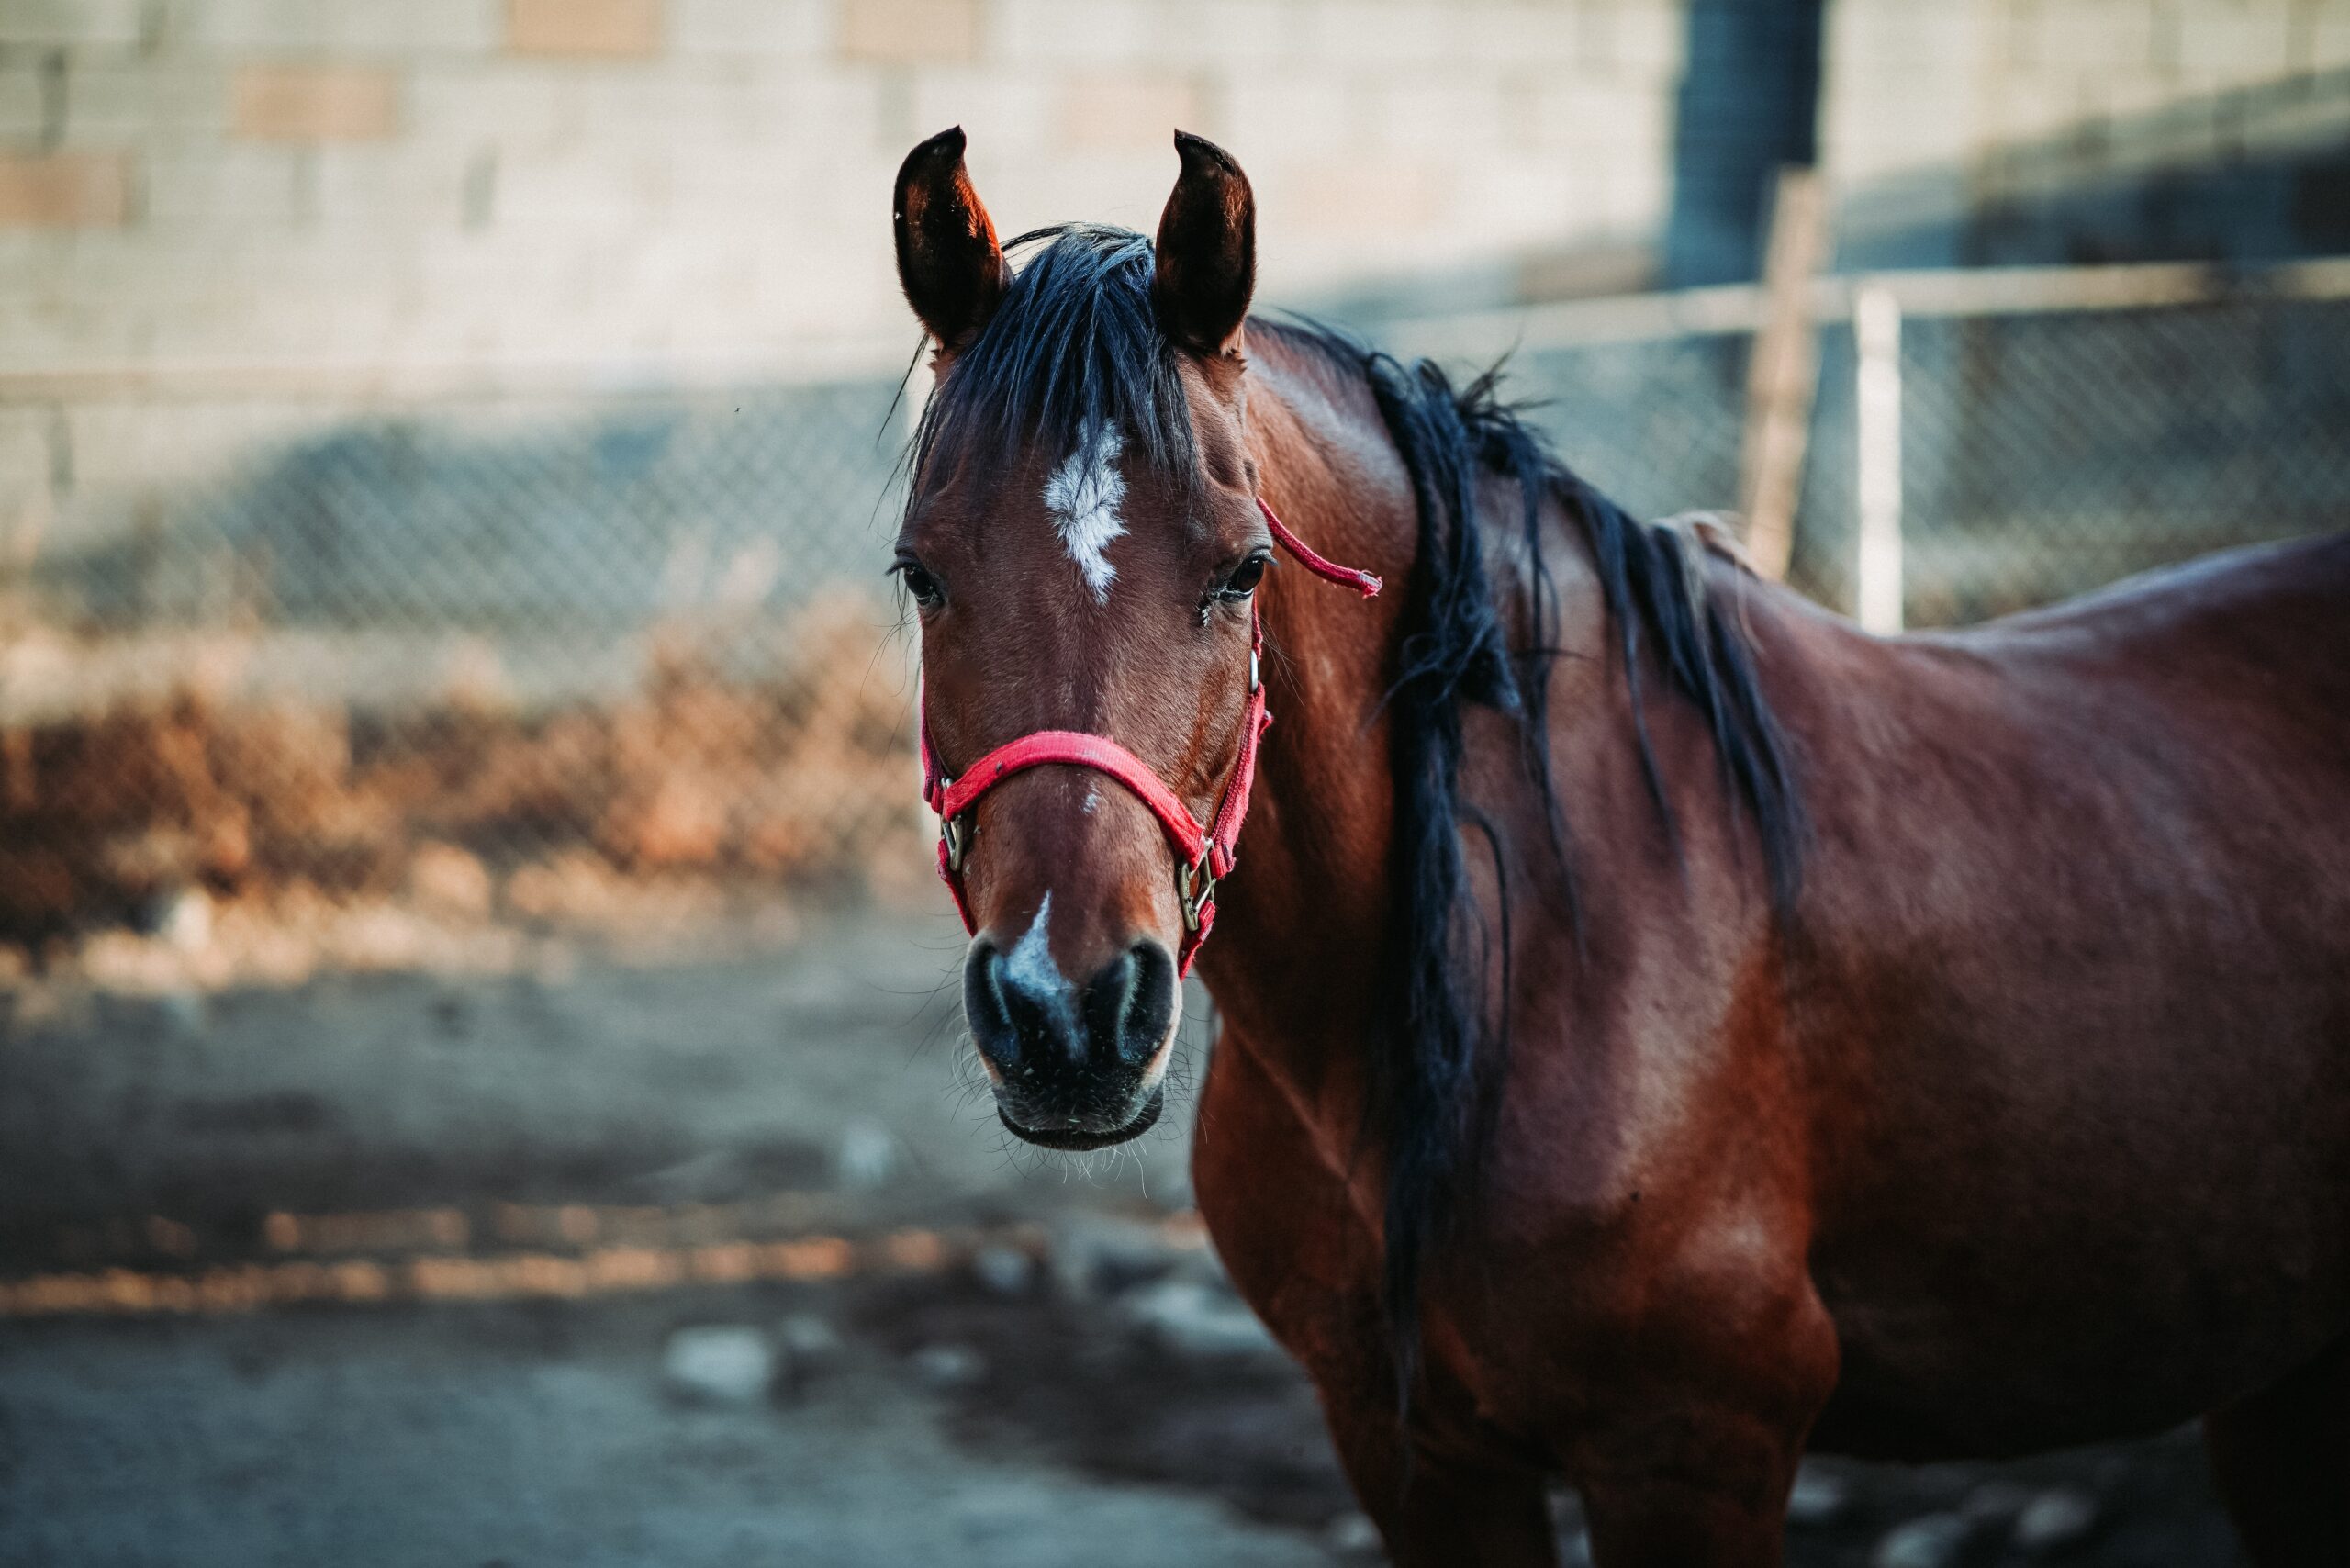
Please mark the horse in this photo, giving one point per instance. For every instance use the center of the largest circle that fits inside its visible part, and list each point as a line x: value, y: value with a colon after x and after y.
x: 1664, y: 1029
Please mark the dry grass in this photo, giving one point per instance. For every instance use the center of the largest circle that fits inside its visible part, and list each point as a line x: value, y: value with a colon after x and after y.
x: 799, y: 780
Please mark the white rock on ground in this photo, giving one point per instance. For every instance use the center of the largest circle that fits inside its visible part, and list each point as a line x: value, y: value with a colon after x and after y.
x: 865, y: 1156
x: 718, y: 1364
x: 1819, y: 1497
x: 1351, y: 1535
x: 1995, y: 1503
x: 1004, y: 1271
x: 949, y: 1366
x: 1932, y: 1541
x: 1095, y: 1255
x: 810, y: 1342
x: 1198, y: 1320
x: 2054, y: 1519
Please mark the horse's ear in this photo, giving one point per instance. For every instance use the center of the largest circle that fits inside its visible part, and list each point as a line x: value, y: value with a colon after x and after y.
x: 948, y: 261
x: 1208, y: 250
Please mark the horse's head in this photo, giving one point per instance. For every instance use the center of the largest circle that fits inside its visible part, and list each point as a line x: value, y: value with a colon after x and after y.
x: 1082, y: 543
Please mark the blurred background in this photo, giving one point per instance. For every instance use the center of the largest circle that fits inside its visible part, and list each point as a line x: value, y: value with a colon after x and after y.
x: 479, y: 1072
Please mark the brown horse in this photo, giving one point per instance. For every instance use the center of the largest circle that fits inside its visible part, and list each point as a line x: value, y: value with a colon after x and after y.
x: 1665, y: 1028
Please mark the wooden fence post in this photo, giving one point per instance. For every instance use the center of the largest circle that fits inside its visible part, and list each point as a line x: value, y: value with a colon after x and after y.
x: 1781, y: 376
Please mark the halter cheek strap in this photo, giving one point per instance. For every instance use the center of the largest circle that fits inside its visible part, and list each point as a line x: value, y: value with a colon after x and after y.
x: 1204, y: 852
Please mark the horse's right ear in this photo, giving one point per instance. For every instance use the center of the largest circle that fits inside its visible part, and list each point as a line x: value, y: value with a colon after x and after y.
x: 948, y: 261
x: 1207, y: 251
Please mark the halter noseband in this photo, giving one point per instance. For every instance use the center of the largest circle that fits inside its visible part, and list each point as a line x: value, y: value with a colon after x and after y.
x: 1204, y: 853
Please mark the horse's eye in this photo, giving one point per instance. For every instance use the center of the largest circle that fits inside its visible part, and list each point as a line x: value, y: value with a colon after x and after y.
x: 1244, y: 580
x: 925, y: 588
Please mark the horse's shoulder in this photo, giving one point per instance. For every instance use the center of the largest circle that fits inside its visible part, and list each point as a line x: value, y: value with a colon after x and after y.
x: 1291, y: 1258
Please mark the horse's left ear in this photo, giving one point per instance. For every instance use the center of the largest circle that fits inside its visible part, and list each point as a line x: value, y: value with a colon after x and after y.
x: 1208, y: 250
x: 948, y: 261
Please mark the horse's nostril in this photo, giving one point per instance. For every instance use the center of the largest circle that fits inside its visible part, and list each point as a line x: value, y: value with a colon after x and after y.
x: 1106, y: 998
x: 988, y: 1010
x: 1131, y: 1003
x: 1023, y: 1015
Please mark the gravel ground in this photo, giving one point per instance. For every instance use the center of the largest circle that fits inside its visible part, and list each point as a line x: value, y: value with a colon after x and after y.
x: 529, y: 1435
x: 1094, y: 1396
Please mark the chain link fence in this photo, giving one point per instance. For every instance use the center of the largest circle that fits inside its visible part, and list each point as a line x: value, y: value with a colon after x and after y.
x: 2044, y: 455
x: 545, y: 658
x: 528, y: 656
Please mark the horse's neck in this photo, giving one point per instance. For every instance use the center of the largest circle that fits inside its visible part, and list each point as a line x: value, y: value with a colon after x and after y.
x: 1302, y: 925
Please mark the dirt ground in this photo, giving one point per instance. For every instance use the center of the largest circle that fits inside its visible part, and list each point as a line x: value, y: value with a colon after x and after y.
x: 1069, y: 1383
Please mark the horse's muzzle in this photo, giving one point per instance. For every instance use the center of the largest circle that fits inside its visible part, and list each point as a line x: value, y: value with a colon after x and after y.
x: 1076, y: 1140
x: 1074, y: 1066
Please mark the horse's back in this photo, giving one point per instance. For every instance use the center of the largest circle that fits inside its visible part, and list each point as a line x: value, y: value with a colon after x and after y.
x: 2217, y: 688
x: 2283, y: 606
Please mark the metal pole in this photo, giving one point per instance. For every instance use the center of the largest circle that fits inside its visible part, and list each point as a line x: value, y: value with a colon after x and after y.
x: 1876, y: 335
x: 915, y: 397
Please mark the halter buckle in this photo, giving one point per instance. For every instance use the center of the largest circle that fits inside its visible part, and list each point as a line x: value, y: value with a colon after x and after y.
x: 955, y: 834
x: 1195, y: 890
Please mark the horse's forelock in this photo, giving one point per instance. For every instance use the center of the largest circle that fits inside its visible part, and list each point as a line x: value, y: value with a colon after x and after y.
x: 1074, y: 347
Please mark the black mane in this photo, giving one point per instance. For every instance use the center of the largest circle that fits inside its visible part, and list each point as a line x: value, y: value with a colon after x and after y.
x: 1428, y: 1107
x: 1075, y: 345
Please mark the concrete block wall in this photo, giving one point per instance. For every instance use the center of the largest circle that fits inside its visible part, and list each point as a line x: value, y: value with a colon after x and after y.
x: 351, y: 180
x: 1910, y: 82
x: 358, y: 182
x: 355, y: 180
x: 1932, y: 116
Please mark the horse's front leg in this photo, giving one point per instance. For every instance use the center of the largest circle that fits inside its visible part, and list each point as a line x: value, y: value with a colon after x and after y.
x: 1301, y: 1254
x: 1450, y: 1503
x: 1690, y: 1495
x: 1688, y: 1456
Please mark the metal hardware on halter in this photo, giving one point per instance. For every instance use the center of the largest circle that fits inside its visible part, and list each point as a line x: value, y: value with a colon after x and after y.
x: 954, y: 832
x: 1195, y: 890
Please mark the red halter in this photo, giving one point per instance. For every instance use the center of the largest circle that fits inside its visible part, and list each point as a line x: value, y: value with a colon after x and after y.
x: 1204, y: 854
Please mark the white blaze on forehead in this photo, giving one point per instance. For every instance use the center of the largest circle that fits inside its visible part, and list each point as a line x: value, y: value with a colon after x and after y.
x: 1083, y: 495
